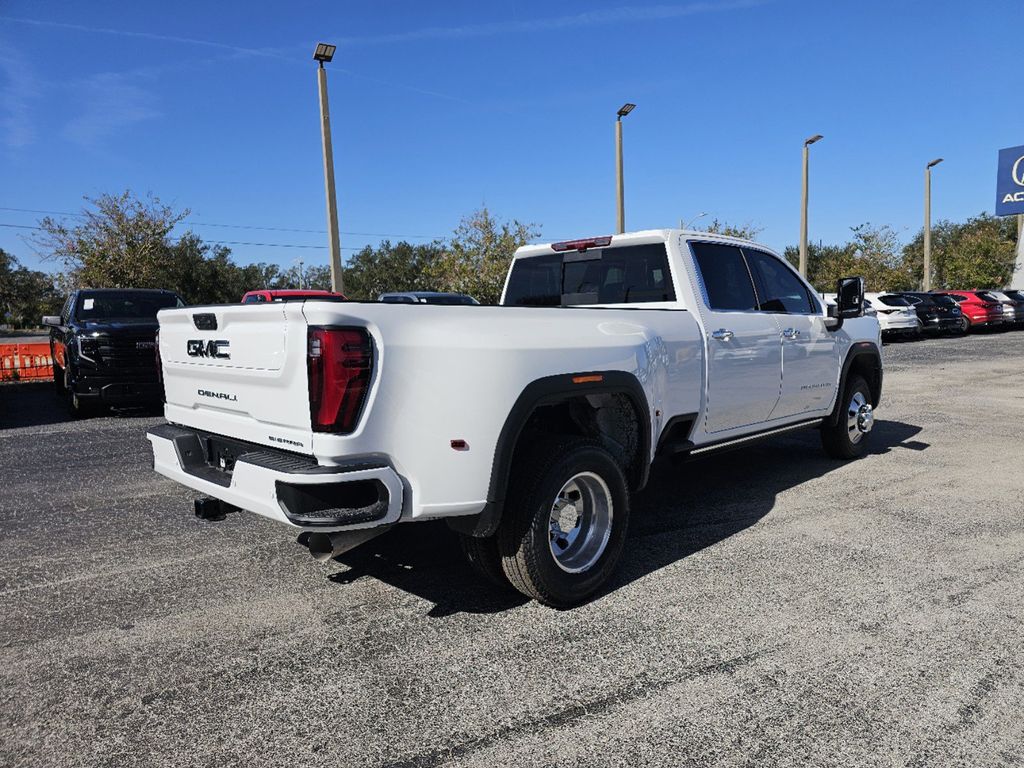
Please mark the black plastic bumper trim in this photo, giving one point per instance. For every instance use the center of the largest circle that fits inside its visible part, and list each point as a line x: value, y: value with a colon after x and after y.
x: 333, y: 504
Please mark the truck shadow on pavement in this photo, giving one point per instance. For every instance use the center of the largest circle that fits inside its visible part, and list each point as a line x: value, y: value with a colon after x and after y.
x: 36, y: 404
x: 686, y: 507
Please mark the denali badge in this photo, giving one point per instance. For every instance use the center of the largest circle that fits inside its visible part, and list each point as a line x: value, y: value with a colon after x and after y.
x: 218, y: 395
x: 145, y: 345
x: 284, y: 440
x: 200, y: 348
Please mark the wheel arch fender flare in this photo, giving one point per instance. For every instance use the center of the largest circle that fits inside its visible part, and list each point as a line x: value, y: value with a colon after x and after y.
x: 551, y: 390
x: 864, y: 358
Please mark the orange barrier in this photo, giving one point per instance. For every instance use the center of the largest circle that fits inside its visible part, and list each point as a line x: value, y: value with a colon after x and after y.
x: 20, y: 362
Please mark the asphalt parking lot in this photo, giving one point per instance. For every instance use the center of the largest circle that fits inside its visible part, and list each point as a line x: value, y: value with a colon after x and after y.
x: 773, y: 608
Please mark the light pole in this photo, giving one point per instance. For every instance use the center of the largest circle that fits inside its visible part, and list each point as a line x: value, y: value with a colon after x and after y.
x: 698, y: 216
x: 803, y: 206
x: 323, y: 53
x: 926, y: 282
x: 626, y: 109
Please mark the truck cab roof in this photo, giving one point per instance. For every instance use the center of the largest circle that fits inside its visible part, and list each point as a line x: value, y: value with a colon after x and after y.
x: 639, y: 237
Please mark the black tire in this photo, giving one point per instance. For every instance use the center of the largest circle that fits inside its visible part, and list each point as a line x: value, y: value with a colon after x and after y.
x: 843, y: 440
x: 77, y: 408
x: 965, y: 325
x: 483, y: 557
x: 525, y: 541
x: 58, y: 379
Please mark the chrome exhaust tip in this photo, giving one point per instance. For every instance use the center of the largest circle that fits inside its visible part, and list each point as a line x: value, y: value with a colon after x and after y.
x: 327, y: 546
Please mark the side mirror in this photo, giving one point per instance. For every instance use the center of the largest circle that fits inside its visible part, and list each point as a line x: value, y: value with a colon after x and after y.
x: 849, y: 297
x: 51, y: 320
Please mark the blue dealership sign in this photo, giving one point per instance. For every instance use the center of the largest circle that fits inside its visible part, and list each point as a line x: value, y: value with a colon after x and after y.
x: 1010, y: 182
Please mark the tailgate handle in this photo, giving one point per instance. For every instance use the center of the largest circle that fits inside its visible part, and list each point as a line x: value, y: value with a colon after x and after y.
x: 205, y: 321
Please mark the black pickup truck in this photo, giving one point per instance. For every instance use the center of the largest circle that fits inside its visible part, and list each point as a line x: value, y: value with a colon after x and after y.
x: 103, y: 346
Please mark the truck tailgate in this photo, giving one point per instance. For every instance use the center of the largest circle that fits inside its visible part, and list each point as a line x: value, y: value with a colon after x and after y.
x: 238, y: 370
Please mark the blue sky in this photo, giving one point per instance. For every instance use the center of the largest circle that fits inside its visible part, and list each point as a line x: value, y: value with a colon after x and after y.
x: 441, y: 107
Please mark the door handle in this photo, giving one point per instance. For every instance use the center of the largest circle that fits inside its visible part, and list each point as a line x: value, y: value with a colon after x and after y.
x: 790, y: 333
x: 722, y: 334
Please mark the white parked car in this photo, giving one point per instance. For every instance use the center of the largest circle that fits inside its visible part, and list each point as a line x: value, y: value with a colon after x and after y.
x: 526, y: 426
x: 830, y: 301
x: 896, y: 315
x: 1013, y: 308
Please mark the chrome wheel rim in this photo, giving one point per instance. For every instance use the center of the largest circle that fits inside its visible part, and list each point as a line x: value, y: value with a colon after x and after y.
x: 860, y: 417
x: 580, y: 522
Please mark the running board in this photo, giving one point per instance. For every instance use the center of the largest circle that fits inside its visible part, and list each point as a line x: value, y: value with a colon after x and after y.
x: 736, y: 442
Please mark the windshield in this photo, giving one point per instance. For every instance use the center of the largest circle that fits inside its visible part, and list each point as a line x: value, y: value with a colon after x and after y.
x: 123, y: 305
x: 625, y: 274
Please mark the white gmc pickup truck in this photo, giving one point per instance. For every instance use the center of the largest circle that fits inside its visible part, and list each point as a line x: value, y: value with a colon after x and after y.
x: 525, y: 425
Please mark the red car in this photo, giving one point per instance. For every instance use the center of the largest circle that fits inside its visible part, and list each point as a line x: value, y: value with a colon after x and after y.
x: 289, y: 294
x: 980, y: 309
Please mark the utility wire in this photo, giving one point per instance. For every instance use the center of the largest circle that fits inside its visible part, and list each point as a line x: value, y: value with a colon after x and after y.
x: 218, y: 242
x: 239, y: 226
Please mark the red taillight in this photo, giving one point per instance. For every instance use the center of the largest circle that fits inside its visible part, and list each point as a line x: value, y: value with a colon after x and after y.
x: 339, y: 361
x: 582, y: 245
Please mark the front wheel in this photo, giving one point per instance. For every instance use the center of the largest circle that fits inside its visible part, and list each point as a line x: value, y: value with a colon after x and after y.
x: 77, y: 407
x: 848, y: 437
x: 565, y: 526
x: 58, y: 379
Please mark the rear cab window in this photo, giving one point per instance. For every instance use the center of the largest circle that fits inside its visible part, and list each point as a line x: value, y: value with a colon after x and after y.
x: 623, y: 274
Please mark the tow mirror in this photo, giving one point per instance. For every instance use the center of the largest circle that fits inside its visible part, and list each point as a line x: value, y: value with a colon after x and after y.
x: 51, y: 320
x: 849, y: 302
x: 849, y: 297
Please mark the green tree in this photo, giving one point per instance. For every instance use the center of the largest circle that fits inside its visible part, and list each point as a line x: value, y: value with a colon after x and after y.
x: 205, y: 274
x: 318, y: 277
x: 978, y: 253
x: 120, y: 241
x: 872, y: 253
x: 477, y: 259
x: 25, y: 295
x: 389, y: 267
x: 745, y: 231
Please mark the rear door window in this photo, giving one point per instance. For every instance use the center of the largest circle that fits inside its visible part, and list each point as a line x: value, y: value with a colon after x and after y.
x: 778, y: 288
x: 724, y: 277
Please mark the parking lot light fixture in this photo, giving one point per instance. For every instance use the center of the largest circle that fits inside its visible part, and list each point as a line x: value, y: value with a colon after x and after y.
x: 926, y: 279
x: 624, y: 110
x: 325, y: 52
x: 803, y: 204
x: 690, y: 224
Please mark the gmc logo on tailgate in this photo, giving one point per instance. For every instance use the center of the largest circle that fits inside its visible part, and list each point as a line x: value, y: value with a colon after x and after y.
x: 213, y: 348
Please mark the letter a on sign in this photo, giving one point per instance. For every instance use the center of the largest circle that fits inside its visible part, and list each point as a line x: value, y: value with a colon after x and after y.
x: 1010, y: 182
